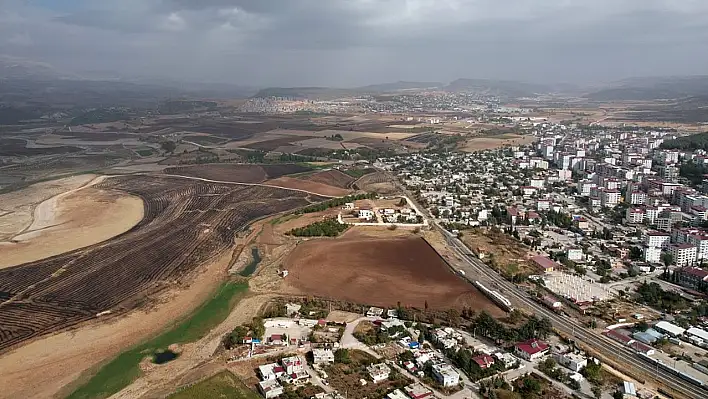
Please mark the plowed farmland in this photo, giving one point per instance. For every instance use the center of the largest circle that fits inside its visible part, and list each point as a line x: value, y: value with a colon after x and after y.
x: 381, y: 272
x: 331, y: 178
x: 186, y: 223
x: 237, y: 173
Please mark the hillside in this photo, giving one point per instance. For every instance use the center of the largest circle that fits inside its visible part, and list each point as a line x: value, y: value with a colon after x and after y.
x: 646, y: 89
x: 502, y: 88
x: 688, y: 143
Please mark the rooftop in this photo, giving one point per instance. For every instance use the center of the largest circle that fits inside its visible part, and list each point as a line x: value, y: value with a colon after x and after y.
x: 532, y: 346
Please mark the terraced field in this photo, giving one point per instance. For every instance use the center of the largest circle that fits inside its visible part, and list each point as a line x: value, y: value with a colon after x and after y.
x: 186, y: 223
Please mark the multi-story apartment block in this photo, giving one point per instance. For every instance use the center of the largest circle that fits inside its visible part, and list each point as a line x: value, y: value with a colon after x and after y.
x: 657, y: 239
x: 683, y: 254
x: 635, y: 215
x: 637, y: 198
x: 610, y: 198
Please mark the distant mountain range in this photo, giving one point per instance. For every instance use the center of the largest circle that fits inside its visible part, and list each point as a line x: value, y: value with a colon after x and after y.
x: 20, y: 79
x: 652, y: 88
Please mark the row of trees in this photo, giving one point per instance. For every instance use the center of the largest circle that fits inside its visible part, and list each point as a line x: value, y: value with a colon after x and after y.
x: 337, y: 202
x: 329, y: 227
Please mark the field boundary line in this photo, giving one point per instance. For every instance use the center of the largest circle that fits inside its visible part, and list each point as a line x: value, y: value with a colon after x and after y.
x: 237, y: 183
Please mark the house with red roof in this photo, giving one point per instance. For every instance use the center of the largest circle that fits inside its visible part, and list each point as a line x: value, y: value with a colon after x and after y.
x: 531, y: 349
x: 484, y: 361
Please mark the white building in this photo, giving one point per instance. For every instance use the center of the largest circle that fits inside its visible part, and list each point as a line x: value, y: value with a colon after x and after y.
x: 683, y: 254
x: 366, y: 214
x: 610, y: 198
x: 446, y: 375
x: 634, y: 215
x: 637, y: 198
x: 379, y: 372
x: 575, y: 254
x: 322, y: 355
x: 293, y: 364
x: 652, y: 254
x: 657, y: 239
x: 270, y: 389
x: 571, y: 361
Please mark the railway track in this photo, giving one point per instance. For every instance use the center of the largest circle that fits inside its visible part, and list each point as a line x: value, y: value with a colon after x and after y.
x: 622, y: 356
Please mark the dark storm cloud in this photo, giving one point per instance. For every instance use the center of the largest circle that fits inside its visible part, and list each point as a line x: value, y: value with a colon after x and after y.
x: 350, y: 42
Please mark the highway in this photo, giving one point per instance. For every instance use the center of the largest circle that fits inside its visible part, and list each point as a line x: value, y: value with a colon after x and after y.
x: 624, y: 357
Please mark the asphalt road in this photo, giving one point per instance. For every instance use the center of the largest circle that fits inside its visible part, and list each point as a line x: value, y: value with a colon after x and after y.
x: 622, y: 355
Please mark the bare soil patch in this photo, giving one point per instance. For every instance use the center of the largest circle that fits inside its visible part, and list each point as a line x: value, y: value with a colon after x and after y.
x: 222, y: 172
x: 381, y: 272
x: 332, y: 177
x: 311, y: 186
x: 17, y: 207
x: 67, y: 222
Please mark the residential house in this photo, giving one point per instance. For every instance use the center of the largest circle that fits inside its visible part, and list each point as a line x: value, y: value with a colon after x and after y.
x: 293, y: 364
x: 446, y: 375
x: 484, y: 361
x: 418, y: 391
x: 531, y: 349
x: 270, y: 389
x: 323, y: 356
x: 572, y: 361
x: 379, y: 372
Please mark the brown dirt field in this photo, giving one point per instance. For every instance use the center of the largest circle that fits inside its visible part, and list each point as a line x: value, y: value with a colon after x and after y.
x: 488, y: 143
x: 332, y: 177
x: 314, y: 187
x: 75, y: 220
x: 380, y: 272
x: 43, y: 367
x: 222, y: 172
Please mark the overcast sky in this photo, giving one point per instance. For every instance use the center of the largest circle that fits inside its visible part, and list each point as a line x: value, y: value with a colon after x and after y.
x: 357, y: 42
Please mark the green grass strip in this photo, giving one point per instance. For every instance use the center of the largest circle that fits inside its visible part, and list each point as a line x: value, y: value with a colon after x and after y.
x: 223, y: 385
x: 124, y: 369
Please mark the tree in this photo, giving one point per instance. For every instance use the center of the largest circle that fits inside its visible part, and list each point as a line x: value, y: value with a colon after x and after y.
x: 597, y: 392
x: 342, y: 356
x: 667, y: 258
x: 168, y: 146
x: 617, y: 395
